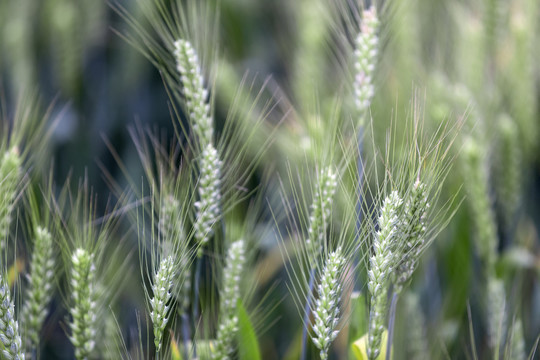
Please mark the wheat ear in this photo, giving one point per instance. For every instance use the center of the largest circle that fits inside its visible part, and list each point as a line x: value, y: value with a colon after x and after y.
x: 161, y: 289
x: 84, y: 309
x: 209, y: 196
x: 365, y: 57
x: 40, y: 287
x: 10, y: 173
x: 9, y: 328
x: 381, y: 266
x: 326, y: 311
x: 413, y: 230
x: 229, y: 296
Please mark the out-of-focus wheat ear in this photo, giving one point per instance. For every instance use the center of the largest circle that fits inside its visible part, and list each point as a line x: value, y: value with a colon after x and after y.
x: 327, y: 307
x: 185, y: 288
x: 494, y: 12
x: 321, y: 209
x: 320, y: 216
x: 111, y: 346
x: 9, y: 328
x: 40, y: 286
x: 382, y: 263
x: 309, y: 57
x: 84, y: 304
x: 476, y: 184
x: 169, y: 226
x: 208, y: 205
x: 365, y: 60
x: 495, y: 311
x: 416, y: 329
x: 521, y: 75
x: 508, y: 181
x: 161, y: 295
x: 195, y: 93
x: 516, y: 346
x: 172, y: 230
x: 230, y: 294
x: 413, y: 230
x: 10, y: 177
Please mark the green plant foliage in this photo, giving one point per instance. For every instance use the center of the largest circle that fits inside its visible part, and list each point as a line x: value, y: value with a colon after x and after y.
x: 250, y: 179
x: 247, y: 338
x: 359, y: 347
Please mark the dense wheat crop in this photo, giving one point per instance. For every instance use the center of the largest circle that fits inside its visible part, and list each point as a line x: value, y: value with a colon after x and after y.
x: 286, y: 179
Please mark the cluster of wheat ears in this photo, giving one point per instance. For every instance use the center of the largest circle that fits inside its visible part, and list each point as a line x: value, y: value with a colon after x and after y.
x: 350, y: 207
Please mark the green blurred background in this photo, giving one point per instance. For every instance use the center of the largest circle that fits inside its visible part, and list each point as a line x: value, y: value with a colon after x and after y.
x: 448, y: 53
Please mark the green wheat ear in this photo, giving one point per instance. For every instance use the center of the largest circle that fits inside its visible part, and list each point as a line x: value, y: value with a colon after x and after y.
x: 159, y: 303
x: 413, y: 232
x: 10, y: 176
x: 382, y: 264
x: 365, y: 57
x: 40, y: 282
x: 326, y: 312
x: 196, y: 95
x: 84, y: 304
x: 172, y: 230
x: 517, y: 342
x: 418, y: 346
x: 9, y: 328
x: 496, y: 310
x: 208, y: 206
x: 198, y: 109
x: 229, y: 296
x: 319, y: 217
x: 509, y: 171
x: 476, y: 184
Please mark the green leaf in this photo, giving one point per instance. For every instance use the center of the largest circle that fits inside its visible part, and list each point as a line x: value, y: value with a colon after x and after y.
x: 14, y: 271
x: 248, y: 345
x: 358, y: 321
x: 295, y: 347
x: 175, y: 351
x: 359, y: 347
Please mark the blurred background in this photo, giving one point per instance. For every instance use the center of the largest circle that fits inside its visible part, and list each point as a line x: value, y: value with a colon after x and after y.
x: 473, y: 59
